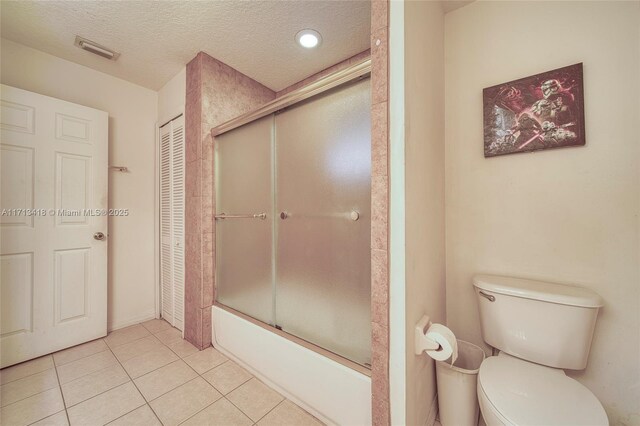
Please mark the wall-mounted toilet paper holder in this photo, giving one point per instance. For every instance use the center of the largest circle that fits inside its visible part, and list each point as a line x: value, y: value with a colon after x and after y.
x: 423, y: 343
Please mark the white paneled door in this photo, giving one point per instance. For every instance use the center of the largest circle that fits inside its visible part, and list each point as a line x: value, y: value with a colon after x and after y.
x: 172, y: 207
x: 53, y: 227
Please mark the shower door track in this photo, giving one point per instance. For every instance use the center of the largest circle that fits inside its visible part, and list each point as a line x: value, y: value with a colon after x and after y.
x: 356, y: 71
x: 308, y: 345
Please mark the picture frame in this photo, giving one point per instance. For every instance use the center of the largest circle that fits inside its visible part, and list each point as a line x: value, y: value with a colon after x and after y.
x: 539, y: 112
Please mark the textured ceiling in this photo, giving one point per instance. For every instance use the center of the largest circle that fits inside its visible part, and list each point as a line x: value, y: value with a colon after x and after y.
x: 156, y: 38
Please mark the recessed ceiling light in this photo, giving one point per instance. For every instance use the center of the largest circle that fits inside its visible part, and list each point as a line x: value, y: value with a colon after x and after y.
x: 96, y: 48
x: 308, y: 38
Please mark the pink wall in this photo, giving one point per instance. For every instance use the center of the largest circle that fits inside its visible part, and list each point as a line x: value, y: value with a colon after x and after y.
x: 215, y: 93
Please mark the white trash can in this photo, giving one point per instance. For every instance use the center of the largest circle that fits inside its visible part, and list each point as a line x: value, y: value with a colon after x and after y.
x: 457, y: 394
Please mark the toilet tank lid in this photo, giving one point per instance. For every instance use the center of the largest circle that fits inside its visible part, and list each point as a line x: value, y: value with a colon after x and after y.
x: 539, y: 290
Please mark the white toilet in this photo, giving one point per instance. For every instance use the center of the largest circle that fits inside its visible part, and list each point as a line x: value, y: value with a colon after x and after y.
x: 540, y: 328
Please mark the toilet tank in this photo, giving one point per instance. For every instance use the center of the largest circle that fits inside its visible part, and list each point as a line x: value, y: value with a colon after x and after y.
x: 546, y: 323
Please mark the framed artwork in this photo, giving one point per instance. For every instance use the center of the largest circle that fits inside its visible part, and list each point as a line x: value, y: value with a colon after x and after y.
x: 543, y: 111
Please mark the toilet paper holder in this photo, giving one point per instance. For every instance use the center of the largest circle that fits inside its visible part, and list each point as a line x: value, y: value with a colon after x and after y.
x: 421, y: 342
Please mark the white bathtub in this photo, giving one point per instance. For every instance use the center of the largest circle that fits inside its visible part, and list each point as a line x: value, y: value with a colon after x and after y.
x: 332, y: 392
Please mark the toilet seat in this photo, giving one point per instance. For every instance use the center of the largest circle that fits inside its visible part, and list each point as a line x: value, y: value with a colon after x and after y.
x: 519, y: 392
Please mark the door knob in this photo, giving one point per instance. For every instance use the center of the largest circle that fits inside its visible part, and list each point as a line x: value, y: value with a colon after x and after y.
x: 283, y: 215
x: 98, y: 236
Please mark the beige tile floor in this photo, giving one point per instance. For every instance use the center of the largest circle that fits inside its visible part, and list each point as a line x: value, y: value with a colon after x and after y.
x: 141, y: 375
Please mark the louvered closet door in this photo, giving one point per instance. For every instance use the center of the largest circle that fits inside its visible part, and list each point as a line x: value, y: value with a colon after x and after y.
x: 172, y: 221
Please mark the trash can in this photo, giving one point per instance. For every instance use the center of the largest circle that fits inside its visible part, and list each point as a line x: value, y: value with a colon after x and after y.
x: 457, y: 394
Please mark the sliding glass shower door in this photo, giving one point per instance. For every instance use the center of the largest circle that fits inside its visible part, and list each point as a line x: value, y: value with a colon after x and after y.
x: 323, y: 198
x: 305, y: 268
x: 244, y: 257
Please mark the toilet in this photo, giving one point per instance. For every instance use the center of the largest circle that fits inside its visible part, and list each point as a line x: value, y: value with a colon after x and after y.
x: 540, y: 329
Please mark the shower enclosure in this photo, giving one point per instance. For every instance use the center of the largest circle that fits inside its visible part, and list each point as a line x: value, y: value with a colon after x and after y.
x: 293, y: 221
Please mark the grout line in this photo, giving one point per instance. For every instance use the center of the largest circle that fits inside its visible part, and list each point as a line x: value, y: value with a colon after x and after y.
x: 204, y: 408
x: 136, y: 386
x: 64, y: 403
x: 32, y: 374
x: 267, y: 413
x: 34, y: 394
x: 147, y: 403
x: 76, y: 346
x: 98, y: 394
x: 50, y: 415
x: 197, y: 375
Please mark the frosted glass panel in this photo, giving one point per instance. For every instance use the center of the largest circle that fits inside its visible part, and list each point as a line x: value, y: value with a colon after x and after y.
x: 243, y: 174
x: 323, y: 177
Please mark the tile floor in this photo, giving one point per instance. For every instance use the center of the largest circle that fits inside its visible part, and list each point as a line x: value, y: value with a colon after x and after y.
x: 141, y: 375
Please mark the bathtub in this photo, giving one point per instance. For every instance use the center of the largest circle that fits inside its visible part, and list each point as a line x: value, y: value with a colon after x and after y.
x: 331, y: 391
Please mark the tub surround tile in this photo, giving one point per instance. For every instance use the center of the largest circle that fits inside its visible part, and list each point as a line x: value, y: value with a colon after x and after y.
x: 379, y: 287
x: 32, y: 409
x: 380, y: 365
x: 221, y: 412
x: 24, y: 369
x: 379, y: 14
x: 193, y: 178
x: 93, y: 384
x: 193, y: 276
x: 379, y: 139
x: 75, y: 353
x: 380, y: 212
x: 192, y: 320
x: 255, y: 399
x: 206, y: 165
x: 206, y: 326
x: 183, y: 402
x: 287, y: 413
x: 208, y: 252
x: 107, y: 406
x: 379, y: 66
x: 379, y: 235
x: 193, y: 214
x: 208, y: 212
x: 142, y: 416
x: 215, y: 93
x: 381, y: 412
x: 379, y: 198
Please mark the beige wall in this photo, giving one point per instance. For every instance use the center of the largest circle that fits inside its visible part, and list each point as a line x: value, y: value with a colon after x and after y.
x: 171, y: 97
x: 132, y: 118
x: 424, y: 192
x: 569, y: 215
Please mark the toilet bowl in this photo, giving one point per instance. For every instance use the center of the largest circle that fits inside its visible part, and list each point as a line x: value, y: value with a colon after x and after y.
x: 540, y: 329
x: 512, y: 391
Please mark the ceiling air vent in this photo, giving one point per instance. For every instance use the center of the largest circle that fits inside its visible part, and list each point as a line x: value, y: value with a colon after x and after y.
x: 96, y: 48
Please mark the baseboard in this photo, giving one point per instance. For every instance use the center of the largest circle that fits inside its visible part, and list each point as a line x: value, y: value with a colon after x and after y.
x: 433, y: 412
x: 149, y: 315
